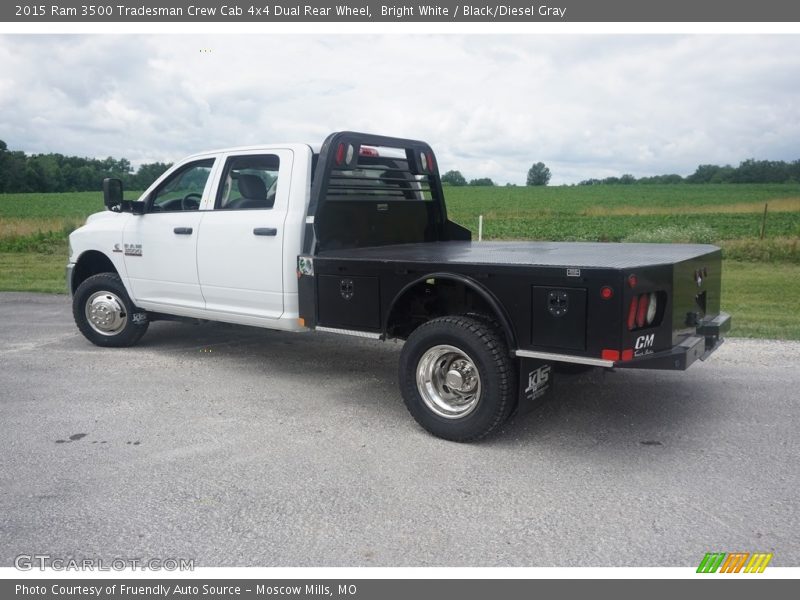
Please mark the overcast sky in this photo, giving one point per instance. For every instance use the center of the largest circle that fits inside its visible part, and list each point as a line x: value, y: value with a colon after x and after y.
x: 586, y: 105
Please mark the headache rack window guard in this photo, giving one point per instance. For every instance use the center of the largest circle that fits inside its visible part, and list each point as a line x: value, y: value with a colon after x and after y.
x: 342, y: 174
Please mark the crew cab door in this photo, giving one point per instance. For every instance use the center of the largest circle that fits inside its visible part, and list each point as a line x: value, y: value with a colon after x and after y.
x: 160, y: 246
x: 240, y: 247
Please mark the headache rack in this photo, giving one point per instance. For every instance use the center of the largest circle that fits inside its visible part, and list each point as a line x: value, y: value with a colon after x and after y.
x: 371, y: 190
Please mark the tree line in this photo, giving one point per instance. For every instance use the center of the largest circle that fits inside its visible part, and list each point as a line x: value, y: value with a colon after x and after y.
x: 748, y: 171
x: 538, y: 174
x: 20, y: 172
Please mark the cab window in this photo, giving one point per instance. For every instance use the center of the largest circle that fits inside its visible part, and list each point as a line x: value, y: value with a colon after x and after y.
x: 249, y: 182
x: 183, y: 190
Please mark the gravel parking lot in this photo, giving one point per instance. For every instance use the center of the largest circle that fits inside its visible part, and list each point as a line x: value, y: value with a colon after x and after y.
x: 243, y: 447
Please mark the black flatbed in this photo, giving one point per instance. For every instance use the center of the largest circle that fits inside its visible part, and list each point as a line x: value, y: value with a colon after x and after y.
x: 556, y: 254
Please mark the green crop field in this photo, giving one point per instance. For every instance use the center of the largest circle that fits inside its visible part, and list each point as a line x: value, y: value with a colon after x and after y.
x: 687, y: 213
x: 34, y: 227
x: 70, y: 205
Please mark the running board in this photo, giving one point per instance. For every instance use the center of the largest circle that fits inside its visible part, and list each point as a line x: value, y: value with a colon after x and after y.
x: 353, y: 332
x: 567, y: 358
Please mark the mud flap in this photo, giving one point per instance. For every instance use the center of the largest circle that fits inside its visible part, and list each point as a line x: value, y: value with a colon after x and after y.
x: 139, y: 317
x: 535, y: 383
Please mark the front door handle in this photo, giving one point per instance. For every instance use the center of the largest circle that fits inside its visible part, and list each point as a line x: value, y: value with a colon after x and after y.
x: 183, y: 230
x: 265, y: 231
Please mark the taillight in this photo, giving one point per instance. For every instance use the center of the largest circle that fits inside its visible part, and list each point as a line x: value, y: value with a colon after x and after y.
x: 430, y: 162
x: 652, y: 308
x: 340, y: 153
x: 632, y: 313
x: 641, y: 312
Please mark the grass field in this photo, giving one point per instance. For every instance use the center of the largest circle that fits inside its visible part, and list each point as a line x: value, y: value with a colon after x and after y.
x: 764, y: 300
x: 761, y: 286
x: 33, y: 272
x: 658, y: 213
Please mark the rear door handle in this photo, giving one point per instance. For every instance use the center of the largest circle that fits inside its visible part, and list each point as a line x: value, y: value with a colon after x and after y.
x: 183, y: 230
x: 265, y: 231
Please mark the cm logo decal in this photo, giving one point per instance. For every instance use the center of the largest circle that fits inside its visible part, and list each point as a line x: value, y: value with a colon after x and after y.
x: 644, y: 343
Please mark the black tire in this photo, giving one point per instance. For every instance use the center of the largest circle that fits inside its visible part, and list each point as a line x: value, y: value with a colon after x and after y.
x: 131, y: 321
x: 486, y: 350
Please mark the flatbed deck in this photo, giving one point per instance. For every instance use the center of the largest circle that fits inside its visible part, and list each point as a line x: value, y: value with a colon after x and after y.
x: 563, y: 254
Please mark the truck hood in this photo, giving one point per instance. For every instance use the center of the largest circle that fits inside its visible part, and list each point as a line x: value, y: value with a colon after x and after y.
x: 103, y: 215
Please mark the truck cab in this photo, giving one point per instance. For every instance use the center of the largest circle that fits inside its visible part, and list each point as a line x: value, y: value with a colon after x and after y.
x: 215, y: 237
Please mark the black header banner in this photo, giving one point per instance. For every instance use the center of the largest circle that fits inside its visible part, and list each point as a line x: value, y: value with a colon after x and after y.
x: 373, y: 11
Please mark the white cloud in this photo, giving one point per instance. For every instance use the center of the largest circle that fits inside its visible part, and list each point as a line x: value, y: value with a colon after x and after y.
x: 588, y: 105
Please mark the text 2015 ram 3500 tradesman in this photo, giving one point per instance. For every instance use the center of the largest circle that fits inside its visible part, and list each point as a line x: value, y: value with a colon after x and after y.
x: 353, y: 238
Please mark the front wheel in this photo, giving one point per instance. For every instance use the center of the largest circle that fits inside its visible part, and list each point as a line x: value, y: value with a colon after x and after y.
x: 457, y: 378
x: 105, y: 314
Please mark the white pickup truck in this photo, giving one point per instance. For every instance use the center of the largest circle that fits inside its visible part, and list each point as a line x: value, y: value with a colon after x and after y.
x: 353, y: 238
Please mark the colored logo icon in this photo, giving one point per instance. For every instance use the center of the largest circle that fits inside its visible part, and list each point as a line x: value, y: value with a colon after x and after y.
x: 734, y: 562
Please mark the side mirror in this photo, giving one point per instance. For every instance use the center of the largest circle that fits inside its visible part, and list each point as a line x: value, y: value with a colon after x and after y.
x: 112, y: 193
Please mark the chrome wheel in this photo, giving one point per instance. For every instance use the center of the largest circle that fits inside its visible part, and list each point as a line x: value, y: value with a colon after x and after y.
x: 106, y: 313
x: 448, y: 382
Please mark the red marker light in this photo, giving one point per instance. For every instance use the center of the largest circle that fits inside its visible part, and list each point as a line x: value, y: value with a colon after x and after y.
x: 632, y: 281
x: 339, y: 154
x: 609, y: 354
x: 430, y: 162
x: 606, y: 293
x: 627, y: 355
x: 368, y: 151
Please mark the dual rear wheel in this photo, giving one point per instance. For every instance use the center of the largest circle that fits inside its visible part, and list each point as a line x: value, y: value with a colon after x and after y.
x: 457, y: 377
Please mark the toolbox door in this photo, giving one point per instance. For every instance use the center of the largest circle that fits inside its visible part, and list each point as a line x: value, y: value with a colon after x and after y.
x: 349, y: 302
x: 558, y: 317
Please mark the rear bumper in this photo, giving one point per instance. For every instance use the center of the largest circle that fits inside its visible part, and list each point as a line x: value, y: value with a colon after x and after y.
x: 715, y: 327
x: 707, y: 339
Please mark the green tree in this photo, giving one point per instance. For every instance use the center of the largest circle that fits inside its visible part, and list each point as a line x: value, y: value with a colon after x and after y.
x: 538, y: 174
x: 482, y: 181
x: 710, y: 174
x: 454, y: 178
x: 146, y: 174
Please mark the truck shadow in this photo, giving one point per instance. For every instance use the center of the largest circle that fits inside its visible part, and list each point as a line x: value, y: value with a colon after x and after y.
x: 360, y: 371
x: 605, y: 409
x: 595, y: 409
